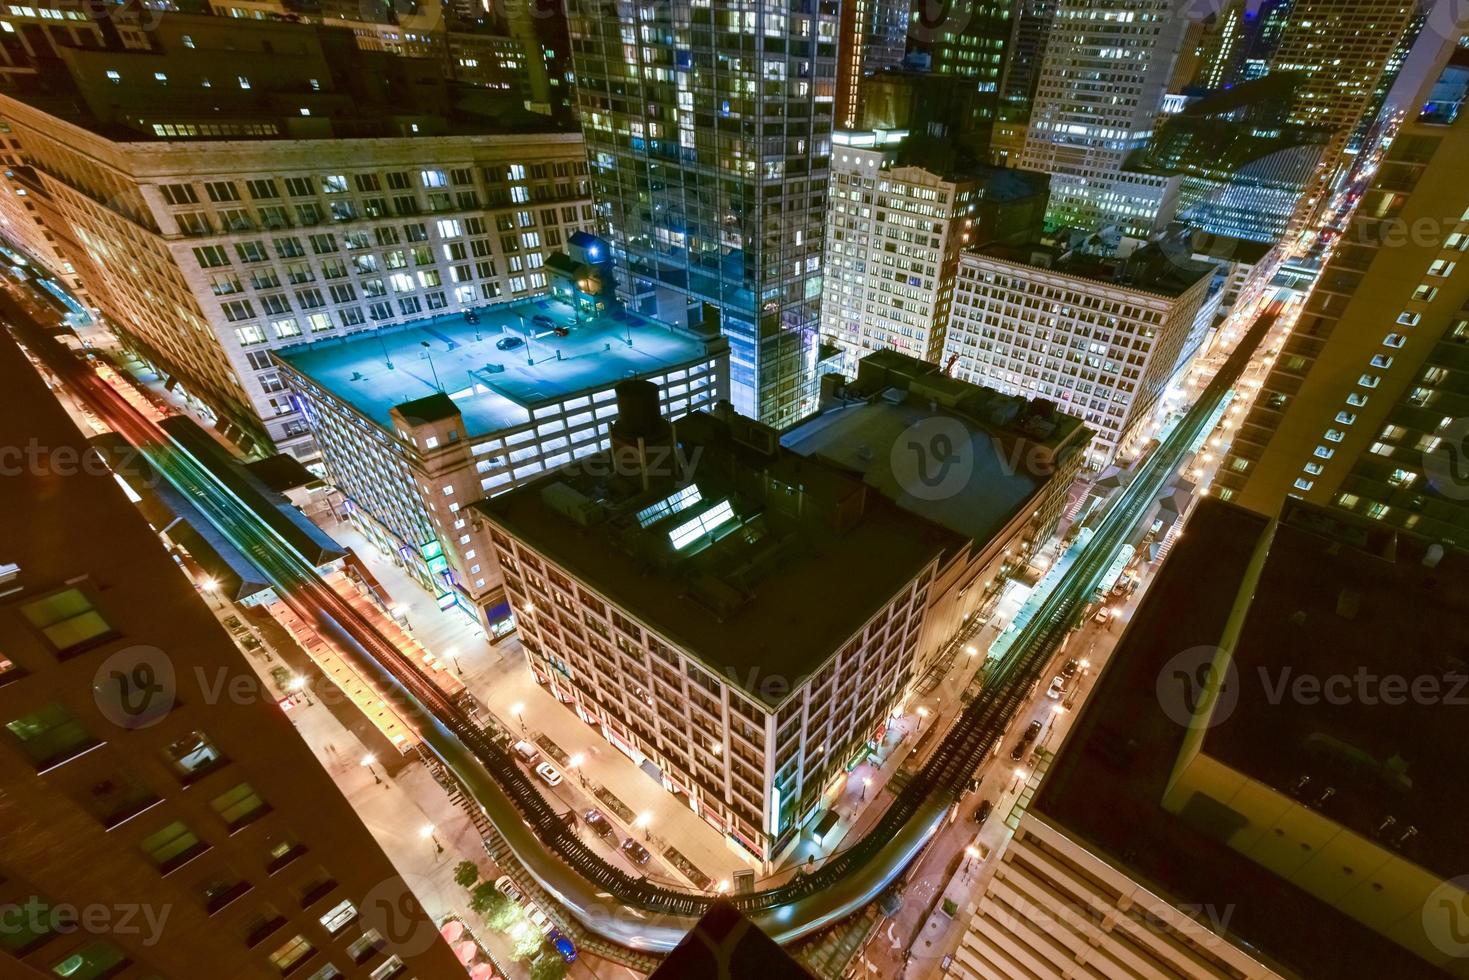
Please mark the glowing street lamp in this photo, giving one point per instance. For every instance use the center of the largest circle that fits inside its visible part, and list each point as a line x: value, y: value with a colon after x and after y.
x: 1020, y: 774
x: 427, y: 833
x: 866, y: 784
x: 643, y: 823
x: 518, y: 710
x: 368, y: 760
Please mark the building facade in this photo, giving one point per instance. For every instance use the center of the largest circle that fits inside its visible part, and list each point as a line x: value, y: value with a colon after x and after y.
x: 1363, y: 407
x: 1101, y: 338
x: 873, y: 36
x: 708, y: 131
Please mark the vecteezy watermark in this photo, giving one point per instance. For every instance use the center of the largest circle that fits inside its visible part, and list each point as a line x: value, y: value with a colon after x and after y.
x: 36, y: 459
x: 1190, y: 678
x: 135, y: 687
x: 1362, y: 686
x: 1446, y: 466
x: 932, y: 19
x: 395, y: 908
x: 1446, y: 917
x: 34, y: 917
x: 669, y: 462
x: 933, y: 458
x: 1204, y: 924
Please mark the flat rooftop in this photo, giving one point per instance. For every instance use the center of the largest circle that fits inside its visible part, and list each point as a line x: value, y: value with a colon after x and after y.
x: 1149, y: 269
x: 754, y: 598
x: 1106, y: 785
x: 494, y: 389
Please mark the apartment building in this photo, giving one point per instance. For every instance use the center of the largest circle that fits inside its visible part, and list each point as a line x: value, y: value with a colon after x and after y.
x: 1013, y: 461
x: 1363, y: 407
x: 895, y: 227
x: 419, y: 421
x: 677, y: 594
x: 1101, y: 337
x: 1220, y: 830
x: 163, y: 816
x: 209, y: 237
x: 872, y: 36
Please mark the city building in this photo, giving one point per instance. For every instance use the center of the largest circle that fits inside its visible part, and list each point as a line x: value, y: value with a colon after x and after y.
x: 337, y: 192
x: 1198, y: 822
x: 1363, y: 406
x: 969, y: 40
x: 900, y: 213
x: 1096, y: 101
x: 1342, y: 50
x: 1222, y: 49
x: 923, y: 103
x: 1266, y: 25
x: 1014, y: 461
x: 708, y: 131
x: 873, y: 35
x: 678, y: 594
x: 164, y: 817
x: 417, y: 422
x: 1101, y: 337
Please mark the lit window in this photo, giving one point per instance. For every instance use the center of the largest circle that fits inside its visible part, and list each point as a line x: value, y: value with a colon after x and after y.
x: 1402, y: 478
x: 1323, y: 452
x: 188, y: 41
x: 192, y: 756
x: 93, y: 961
x: 1409, y: 319
x: 1303, y: 484
x: 160, y: 77
x: 1377, y: 510
x: 1335, y: 435
x: 1347, y: 500
x: 173, y: 847
x: 239, y: 806
x: 244, y: 82
x: 1381, y: 361
x: 339, y: 916
x: 292, y: 952
x: 1314, y: 468
x: 68, y: 621
x: 114, y: 77
x: 50, y: 735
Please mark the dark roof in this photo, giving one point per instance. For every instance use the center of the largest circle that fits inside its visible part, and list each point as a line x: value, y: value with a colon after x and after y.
x: 1105, y: 786
x: 430, y: 408
x: 724, y: 945
x: 282, y: 472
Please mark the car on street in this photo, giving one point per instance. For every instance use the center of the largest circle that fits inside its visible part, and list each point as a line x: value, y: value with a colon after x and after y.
x: 525, y: 750
x: 635, y: 852
x: 1018, y: 752
x: 599, y: 824
x: 282, y: 678
x: 508, y: 343
x: 1058, y: 685
x: 982, y: 812
x: 1103, y: 616
x: 538, y: 919
x: 1031, y: 731
x: 1069, y: 669
x: 509, y: 889
x: 548, y: 774
x: 561, y: 331
x: 564, y: 947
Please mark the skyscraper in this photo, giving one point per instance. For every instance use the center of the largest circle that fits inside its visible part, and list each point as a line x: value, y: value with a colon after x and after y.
x: 969, y: 39
x: 1364, y: 407
x: 874, y: 35
x: 1101, y: 86
x: 708, y: 132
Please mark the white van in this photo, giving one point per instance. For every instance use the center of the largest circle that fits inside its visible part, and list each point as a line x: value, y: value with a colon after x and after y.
x: 525, y: 750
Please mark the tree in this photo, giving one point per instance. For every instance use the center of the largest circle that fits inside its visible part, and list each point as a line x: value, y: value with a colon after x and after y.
x: 548, y: 967
x: 487, y: 900
x: 466, y: 874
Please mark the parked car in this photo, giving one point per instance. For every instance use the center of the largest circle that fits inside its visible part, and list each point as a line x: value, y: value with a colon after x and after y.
x: 1104, y: 615
x: 538, y: 919
x: 599, y: 824
x: 508, y: 343
x: 1031, y: 731
x: 982, y: 812
x: 1018, y: 752
x: 509, y: 889
x: 525, y: 750
x: 541, y: 320
x: 548, y: 774
x: 564, y: 947
x: 1058, y: 685
x: 636, y: 853
x: 1069, y: 669
x: 561, y: 331
x: 282, y: 678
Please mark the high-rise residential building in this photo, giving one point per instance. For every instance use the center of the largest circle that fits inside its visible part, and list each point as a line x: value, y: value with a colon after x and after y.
x: 339, y: 191
x: 708, y: 131
x: 1239, y: 800
x: 898, y: 219
x: 1364, y: 406
x: 1222, y: 49
x: 1342, y: 50
x: 873, y: 36
x: 665, y: 594
x: 1373, y: 118
x: 1025, y: 53
x: 163, y: 816
x: 417, y: 422
x: 1266, y: 24
x: 1101, y: 88
x: 969, y: 39
x: 1101, y: 337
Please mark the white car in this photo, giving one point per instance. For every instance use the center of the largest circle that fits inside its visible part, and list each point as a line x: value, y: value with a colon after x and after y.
x: 508, y: 888
x: 548, y: 773
x: 539, y: 920
x: 1058, y: 685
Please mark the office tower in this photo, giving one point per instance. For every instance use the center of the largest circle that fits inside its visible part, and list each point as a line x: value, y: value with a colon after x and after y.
x: 664, y: 594
x: 163, y: 817
x: 1200, y: 823
x: 968, y: 39
x: 1101, y: 337
x: 873, y: 36
x: 1372, y: 115
x: 338, y: 191
x: 708, y: 131
x: 1190, y: 53
x: 1101, y: 87
x: 1342, y: 50
x: 922, y: 103
x: 1362, y: 408
x: 899, y: 215
x: 1266, y: 25
x: 1244, y: 166
x: 1222, y: 49
x: 1015, y: 462
x: 1030, y: 31
x: 416, y: 423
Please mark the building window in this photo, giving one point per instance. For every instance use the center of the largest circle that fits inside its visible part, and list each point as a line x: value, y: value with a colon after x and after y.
x: 339, y: 916
x: 365, y: 945
x: 193, y: 757
x: 173, y: 847
x: 93, y: 961
x: 51, y: 735
x: 291, y: 954
x: 239, y: 806
x: 69, y: 622
x: 114, y: 77
x: 244, y: 81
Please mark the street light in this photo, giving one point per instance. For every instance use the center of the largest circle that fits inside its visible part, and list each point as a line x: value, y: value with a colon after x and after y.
x: 1019, y: 775
x: 644, y: 820
x: 866, y: 783
x: 427, y: 833
x: 518, y: 710
x: 453, y: 654
x: 297, y: 685
x: 368, y: 760
x: 575, y: 761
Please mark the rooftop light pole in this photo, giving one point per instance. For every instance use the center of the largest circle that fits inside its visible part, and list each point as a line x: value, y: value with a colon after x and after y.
x: 384, y: 345
x: 428, y: 352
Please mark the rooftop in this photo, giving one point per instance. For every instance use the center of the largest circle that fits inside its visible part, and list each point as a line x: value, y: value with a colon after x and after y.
x: 1106, y: 785
x: 730, y: 555
x: 896, y: 395
x: 494, y: 389
x: 1149, y: 269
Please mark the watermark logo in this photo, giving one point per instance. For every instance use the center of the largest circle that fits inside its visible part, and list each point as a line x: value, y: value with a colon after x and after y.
x: 932, y: 19
x: 135, y: 687
x: 933, y: 458
x: 32, y: 916
x: 1187, y: 680
x: 395, y: 908
x: 1447, y: 465
x: 1448, y: 18
x: 1446, y: 917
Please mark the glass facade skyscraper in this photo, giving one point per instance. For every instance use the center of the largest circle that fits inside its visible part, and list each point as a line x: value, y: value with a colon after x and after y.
x: 708, y: 133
